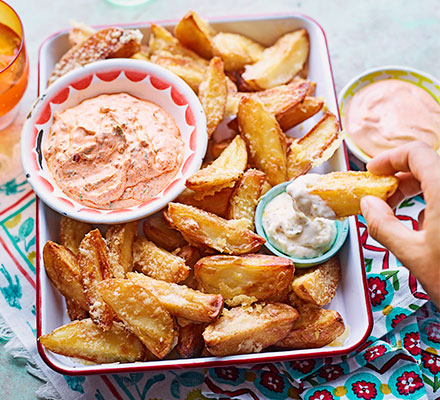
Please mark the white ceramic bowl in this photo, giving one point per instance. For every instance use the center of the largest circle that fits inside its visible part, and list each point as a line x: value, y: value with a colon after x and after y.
x: 138, y: 78
x: 419, y: 78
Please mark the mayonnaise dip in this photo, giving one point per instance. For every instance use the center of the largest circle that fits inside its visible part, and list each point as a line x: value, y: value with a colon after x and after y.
x: 392, y: 112
x: 291, y: 231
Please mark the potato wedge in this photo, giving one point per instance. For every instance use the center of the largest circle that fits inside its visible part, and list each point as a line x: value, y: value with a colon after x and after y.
x: 95, y: 267
x: 236, y: 50
x: 217, y: 148
x: 163, y: 42
x: 74, y: 310
x: 190, y: 342
x: 191, y: 255
x: 213, y: 92
x: 195, y: 33
x: 158, y: 231
x: 106, y: 43
x: 202, y: 228
x: 216, y: 203
x: 142, y: 314
x: 158, y: 263
x: 300, y: 112
x: 244, y: 330
x: 72, y: 232
x: 79, y: 33
x: 222, y: 173
x: 280, y: 62
x: 63, y: 270
x: 266, y: 187
x: 315, y: 147
x: 244, y: 279
x: 190, y: 70
x: 180, y: 300
x: 342, y: 191
x: 315, y: 327
x: 317, y: 285
x: 83, y: 339
x: 245, y: 197
x: 265, y: 140
x: 119, y: 239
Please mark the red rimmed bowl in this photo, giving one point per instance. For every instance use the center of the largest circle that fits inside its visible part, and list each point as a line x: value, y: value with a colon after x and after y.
x: 138, y: 78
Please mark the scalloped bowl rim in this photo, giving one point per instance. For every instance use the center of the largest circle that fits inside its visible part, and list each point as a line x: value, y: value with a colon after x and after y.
x: 357, y: 152
x: 185, y: 102
x: 342, y: 228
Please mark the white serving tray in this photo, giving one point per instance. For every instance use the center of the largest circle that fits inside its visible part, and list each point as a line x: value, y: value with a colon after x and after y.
x: 351, y: 299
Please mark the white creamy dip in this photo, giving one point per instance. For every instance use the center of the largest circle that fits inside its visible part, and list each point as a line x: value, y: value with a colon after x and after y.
x: 292, y: 232
x: 310, y: 204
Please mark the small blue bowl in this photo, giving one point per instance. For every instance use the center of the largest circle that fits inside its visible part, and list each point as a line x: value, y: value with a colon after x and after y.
x: 341, y: 232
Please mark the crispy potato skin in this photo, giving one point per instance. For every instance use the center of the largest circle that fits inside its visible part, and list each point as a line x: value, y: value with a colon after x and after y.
x: 158, y: 231
x: 245, y: 197
x: 106, y: 43
x: 158, y: 263
x: 83, y: 339
x: 249, y: 278
x: 216, y: 203
x: 201, y: 228
x: 119, y: 239
x: 213, y: 91
x: 265, y: 140
x: 343, y: 191
x: 222, y: 173
x: 315, y: 147
x: 195, y: 33
x: 243, y: 330
x: 280, y: 62
x: 95, y: 267
x: 316, y: 327
x: 142, y: 314
x: 317, y: 285
x: 180, y: 300
x: 72, y: 232
x: 74, y: 310
x: 190, y: 342
x: 236, y: 50
x: 300, y: 112
x: 63, y: 270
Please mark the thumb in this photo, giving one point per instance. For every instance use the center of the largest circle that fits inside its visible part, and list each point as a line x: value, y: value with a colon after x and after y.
x: 384, y: 227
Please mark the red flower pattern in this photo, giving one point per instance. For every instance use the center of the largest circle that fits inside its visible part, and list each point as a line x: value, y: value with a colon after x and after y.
x: 378, y: 290
x: 373, y: 352
x: 330, y: 372
x: 322, y: 395
x: 408, y: 383
x: 433, y: 332
x: 431, y: 362
x: 228, y: 373
x: 364, y: 390
x: 411, y: 342
x: 304, y: 366
x: 272, y: 381
x: 397, y: 319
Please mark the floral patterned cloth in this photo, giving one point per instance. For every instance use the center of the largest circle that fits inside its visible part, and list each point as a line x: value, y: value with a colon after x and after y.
x: 401, y: 359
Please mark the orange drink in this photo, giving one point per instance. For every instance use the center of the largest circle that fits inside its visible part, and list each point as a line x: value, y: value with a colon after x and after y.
x: 14, y: 66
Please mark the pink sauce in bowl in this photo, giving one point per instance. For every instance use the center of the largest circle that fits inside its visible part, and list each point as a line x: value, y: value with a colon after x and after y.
x: 391, y: 112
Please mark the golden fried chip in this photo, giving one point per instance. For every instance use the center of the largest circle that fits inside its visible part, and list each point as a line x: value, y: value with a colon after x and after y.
x: 265, y: 140
x: 85, y: 340
x: 213, y: 92
x: 74, y: 310
x: 300, y: 112
x: 119, y: 239
x: 158, y: 263
x: 72, y: 232
x: 202, y: 228
x: 317, y: 285
x: 222, y: 173
x: 251, y: 329
x: 190, y: 342
x: 79, y: 33
x: 158, y: 231
x: 280, y: 62
x: 216, y: 203
x: 141, y: 313
x: 244, y: 279
x: 180, y: 300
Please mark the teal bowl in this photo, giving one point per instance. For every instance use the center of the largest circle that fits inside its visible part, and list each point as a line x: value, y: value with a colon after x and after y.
x: 341, y: 232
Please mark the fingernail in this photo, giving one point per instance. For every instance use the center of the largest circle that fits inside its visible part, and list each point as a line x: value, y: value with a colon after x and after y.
x: 364, y: 205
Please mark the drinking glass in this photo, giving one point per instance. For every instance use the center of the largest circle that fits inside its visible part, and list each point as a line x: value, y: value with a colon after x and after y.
x: 14, y: 65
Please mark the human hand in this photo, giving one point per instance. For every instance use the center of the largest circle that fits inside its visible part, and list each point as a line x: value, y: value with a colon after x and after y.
x: 418, y: 168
